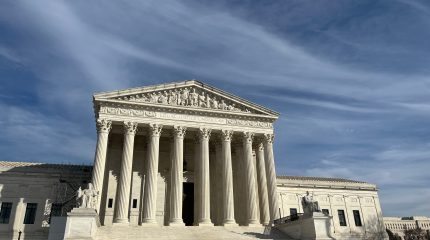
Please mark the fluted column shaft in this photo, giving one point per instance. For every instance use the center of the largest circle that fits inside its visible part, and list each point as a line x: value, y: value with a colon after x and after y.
x: 262, y: 186
x: 103, y: 128
x: 204, y: 178
x: 176, y: 176
x: 271, y: 177
x: 197, y: 161
x: 227, y: 179
x: 150, y: 193
x: 251, y: 194
x: 124, y: 184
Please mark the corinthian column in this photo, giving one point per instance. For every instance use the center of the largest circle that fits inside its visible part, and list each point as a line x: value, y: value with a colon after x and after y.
x: 271, y: 176
x: 176, y: 177
x: 103, y: 128
x: 150, y: 193
x: 227, y: 180
x: 123, y: 197
x: 204, y: 216
x: 250, y: 188
x: 262, y: 186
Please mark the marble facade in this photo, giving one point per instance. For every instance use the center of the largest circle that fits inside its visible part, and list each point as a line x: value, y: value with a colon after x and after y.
x: 157, y: 138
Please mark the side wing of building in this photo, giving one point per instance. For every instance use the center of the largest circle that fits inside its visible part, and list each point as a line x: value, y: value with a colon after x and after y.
x: 354, y: 205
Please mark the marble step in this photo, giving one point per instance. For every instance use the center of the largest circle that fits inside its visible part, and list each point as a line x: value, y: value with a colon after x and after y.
x: 182, y: 233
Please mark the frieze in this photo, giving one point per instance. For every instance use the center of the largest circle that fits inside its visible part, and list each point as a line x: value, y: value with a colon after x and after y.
x: 189, y: 97
x: 128, y: 112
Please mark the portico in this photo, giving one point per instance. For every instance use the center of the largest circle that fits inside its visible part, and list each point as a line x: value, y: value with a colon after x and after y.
x: 152, y: 140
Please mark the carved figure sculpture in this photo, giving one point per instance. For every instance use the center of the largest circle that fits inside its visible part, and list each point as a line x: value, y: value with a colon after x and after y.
x: 184, y: 97
x: 208, y: 101
x: 163, y: 98
x: 194, y: 97
x: 214, y: 103
x: 309, y: 205
x: 202, y: 100
x: 87, y: 198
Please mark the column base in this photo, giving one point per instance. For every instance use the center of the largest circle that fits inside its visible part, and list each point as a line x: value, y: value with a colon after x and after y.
x: 253, y: 223
x: 205, y: 223
x: 230, y: 224
x: 149, y: 223
x: 121, y: 222
x: 177, y: 223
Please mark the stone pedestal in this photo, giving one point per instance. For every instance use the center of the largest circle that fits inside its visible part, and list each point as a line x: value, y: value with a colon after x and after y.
x: 315, y: 227
x: 81, y: 223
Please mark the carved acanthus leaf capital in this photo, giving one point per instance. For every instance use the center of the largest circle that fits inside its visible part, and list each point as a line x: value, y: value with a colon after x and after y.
x: 205, y: 134
x: 268, y: 137
x: 103, y: 125
x: 155, y: 130
x: 130, y: 127
x: 248, y: 137
x: 260, y: 147
x: 179, y: 131
x: 227, y: 135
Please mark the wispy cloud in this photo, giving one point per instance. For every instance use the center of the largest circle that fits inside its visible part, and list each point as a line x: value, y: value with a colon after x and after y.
x: 349, y: 78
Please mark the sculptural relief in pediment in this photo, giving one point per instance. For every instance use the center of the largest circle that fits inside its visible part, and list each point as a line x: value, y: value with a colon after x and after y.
x: 188, y: 97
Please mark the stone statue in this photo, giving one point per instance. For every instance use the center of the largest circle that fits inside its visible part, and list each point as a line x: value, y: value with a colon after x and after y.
x: 215, y: 103
x: 153, y: 98
x: 184, y: 97
x: 87, y: 198
x: 163, y: 98
x: 202, y: 100
x: 208, y: 100
x: 194, y: 97
x: 309, y: 205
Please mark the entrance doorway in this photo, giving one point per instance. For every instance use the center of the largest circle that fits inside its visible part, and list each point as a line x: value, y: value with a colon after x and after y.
x: 188, y: 204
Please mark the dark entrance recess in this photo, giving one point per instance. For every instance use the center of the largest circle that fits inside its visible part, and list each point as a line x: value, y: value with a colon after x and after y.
x: 188, y: 204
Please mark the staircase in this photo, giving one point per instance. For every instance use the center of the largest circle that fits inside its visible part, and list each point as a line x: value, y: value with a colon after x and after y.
x: 182, y: 233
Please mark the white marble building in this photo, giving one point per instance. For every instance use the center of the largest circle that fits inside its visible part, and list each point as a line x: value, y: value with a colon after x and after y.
x: 51, y: 185
x: 354, y: 205
x: 180, y: 154
x: 161, y: 143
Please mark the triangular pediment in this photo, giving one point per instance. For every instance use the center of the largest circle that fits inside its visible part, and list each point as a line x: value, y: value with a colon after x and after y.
x: 187, y: 94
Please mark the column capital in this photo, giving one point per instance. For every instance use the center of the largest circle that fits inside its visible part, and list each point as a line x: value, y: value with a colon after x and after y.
x: 227, y: 135
x: 103, y: 125
x: 155, y: 129
x: 179, y: 131
x: 260, y: 146
x: 269, y: 137
x: 248, y: 136
x: 130, y: 128
x: 205, y: 134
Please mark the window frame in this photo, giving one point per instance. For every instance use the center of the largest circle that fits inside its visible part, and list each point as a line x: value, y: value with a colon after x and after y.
x: 357, y: 218
x: 5, y: 216
x: 342, y: 218
x: 30, y: 213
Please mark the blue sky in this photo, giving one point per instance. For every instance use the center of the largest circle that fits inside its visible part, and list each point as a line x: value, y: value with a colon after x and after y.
x: 351, y: 79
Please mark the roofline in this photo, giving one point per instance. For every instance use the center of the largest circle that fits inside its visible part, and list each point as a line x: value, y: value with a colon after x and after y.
x: 100, y: 96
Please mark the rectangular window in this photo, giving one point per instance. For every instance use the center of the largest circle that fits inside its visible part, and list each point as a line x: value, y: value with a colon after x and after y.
x: 134, y: 203
x: 30, y: 213
x: 110, y: 202
x: 342, y: 220
x: 357, y: 218
x: 325, y: 212
x: 6, y: 208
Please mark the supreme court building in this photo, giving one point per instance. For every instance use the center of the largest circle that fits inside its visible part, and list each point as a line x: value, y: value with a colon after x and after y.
x: 178, y: 154
x: 183, y: 153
